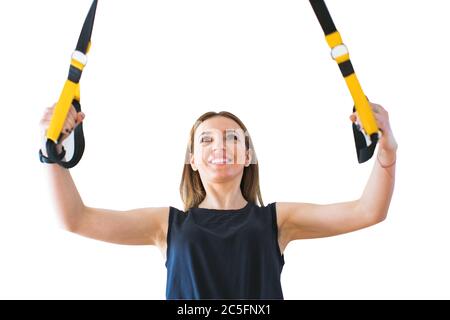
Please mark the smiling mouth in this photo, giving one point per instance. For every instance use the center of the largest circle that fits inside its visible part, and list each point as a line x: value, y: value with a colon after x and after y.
x: 220, y: 161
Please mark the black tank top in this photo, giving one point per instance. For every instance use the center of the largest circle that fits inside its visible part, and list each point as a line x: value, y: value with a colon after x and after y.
x: 224, y: 254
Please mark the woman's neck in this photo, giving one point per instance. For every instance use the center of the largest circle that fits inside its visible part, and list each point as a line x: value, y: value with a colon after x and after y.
x: 222, y: 198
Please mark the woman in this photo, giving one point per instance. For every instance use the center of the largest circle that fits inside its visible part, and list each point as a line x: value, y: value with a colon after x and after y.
x: 223, y: 245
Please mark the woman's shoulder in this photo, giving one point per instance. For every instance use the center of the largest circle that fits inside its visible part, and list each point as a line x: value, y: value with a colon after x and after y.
x: 176, y: 210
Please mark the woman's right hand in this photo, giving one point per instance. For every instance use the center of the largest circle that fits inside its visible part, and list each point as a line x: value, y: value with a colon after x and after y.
x: 73, y: 120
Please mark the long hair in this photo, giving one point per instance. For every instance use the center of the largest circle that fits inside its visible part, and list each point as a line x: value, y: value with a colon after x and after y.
x: 191, y: 187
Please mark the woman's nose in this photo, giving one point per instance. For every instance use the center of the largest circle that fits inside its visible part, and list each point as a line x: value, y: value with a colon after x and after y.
x: 217, y: 150
x: 219, y: 143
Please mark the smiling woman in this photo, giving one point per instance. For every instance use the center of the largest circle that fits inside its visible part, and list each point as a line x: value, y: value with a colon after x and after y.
x: 223, y: 245
x: 220, y: 157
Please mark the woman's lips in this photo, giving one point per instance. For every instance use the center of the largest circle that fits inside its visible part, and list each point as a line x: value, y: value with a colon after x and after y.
x: 220, y: 161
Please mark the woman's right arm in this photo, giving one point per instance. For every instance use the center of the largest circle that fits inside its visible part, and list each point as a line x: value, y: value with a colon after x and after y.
x: 145, y: 226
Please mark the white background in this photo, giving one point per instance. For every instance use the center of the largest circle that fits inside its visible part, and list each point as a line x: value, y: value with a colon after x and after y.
x: 155, y: 66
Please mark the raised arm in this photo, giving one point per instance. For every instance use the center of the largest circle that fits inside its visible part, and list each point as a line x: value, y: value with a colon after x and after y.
x: 146, y: 226
x: 308, y: 220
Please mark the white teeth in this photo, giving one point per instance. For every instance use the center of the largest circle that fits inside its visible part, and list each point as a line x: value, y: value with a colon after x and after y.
x: 220, y: 161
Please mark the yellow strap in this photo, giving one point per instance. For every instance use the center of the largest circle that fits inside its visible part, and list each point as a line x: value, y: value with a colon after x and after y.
x: 77, y: 64
x: 77, y: 93
x: 362, y: 105
x: 61, y: 110
x: 359, y: 98
x: 333, y: 39
x: 343, y: 58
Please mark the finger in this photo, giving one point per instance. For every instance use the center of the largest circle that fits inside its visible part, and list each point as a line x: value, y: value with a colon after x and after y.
x: 70, y: 123
x: 65, y: 133
x: 44, y: 124
x: 382, y: 126
x: 382, y: 118
x: 47, y: 116
x: 67, y: 128
x: 378, y: 116
x: 49, y: 111
x: 71, y: 119
x: 379, y: 106
x: 73, y: 113
x: 354, y: 116
x: 374, y: 108
x: 80, y: 117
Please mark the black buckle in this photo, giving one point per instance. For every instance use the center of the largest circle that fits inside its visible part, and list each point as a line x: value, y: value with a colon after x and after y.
x: 44, y: 159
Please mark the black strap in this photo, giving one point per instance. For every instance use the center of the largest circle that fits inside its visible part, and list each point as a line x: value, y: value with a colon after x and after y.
x: 79, y: 145
x: 75, y: 75
x: 44, y: 159
x: 86, y: 32
x: 363, y: 151
x: 323, y: 15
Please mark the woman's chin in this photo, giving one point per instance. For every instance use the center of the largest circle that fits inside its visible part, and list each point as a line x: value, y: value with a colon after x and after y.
x: 224, y: 174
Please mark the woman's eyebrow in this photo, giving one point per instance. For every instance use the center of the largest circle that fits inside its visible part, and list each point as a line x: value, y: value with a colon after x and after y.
x: 225, y: 131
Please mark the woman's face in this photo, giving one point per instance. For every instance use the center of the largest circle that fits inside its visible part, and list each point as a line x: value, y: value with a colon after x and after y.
x: 219, y: 150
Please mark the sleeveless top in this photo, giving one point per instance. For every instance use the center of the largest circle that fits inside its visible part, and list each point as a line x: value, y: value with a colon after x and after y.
x: 224, y: 254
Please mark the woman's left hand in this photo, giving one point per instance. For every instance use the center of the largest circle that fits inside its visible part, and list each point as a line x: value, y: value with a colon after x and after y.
x: 387, y: 142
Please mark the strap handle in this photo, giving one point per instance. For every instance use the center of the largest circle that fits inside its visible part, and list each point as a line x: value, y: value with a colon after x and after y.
x: 70, y: 95
x: 340, y: 54
x: 363, y: 151
x: 79, y: 145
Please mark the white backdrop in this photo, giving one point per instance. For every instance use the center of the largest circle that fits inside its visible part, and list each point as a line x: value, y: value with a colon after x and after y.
x: 155, y: 66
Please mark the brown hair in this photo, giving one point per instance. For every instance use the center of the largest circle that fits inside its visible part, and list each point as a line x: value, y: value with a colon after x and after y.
x: 191, y: 188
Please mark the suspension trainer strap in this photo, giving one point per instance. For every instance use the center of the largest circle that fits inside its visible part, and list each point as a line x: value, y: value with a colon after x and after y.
x: 340, y: 54
x: 70, y: 95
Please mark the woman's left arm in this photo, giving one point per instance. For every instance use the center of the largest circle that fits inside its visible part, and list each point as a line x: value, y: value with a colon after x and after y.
x: 377, y: 194
x: 298, y: 220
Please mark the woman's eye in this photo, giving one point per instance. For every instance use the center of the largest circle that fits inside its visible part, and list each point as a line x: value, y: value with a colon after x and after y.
x: 229, y: 137
x: 206, y: 139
